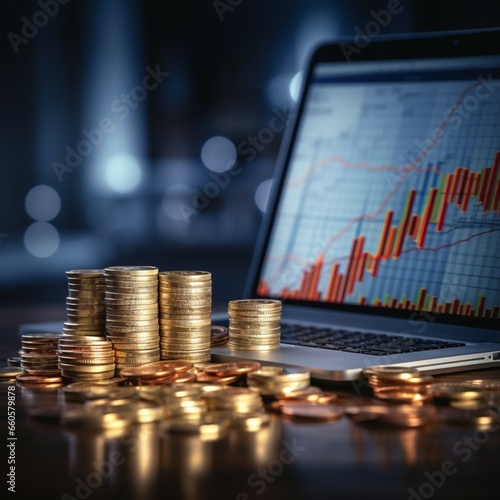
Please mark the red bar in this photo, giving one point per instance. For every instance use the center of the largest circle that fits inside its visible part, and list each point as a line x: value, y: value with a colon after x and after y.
x: 413, y: 225
x: 345, y: 281
x: 408, y: 304
x: 484, y: 184
x: 447, y: 307
x: 461, y: 186
x: 304, y: 287
x: 456, y: 303
x: 467, y: 309
x: 480, y: 311
x: 487, y: 313
x: 383, y: 235
x: 477, y: 182
x: 440, y: 308
x: 456, y: 178
x: 390, y: 242
x: 403, y: 226
x: 434, y: 304
x: 496, y: 312
x: 362, y: 301
x: 331, y: 282
x: 491, y: 183
x: 315, y: 277
x: 426, y: 217
x: 393, y: 303
x: 460, y: 309
x: 468, y: 189
x: 444, y: 203
x: 420, y: 304
x: 354, y: 272
x: 362, y: 266
x: 374, y: 261
x: 496, y: 201
x: 338, y: 287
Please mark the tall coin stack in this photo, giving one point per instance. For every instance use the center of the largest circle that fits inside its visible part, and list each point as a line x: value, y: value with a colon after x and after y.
x: 132, y: 314
x: 185, y: 315
x: 85, y: 306
x: 254, y: 324
x: 84, y: 354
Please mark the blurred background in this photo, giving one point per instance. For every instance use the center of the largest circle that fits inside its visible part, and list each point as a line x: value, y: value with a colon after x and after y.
x: 138, y: 132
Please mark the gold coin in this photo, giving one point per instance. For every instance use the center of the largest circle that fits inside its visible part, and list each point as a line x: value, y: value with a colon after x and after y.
x: 10, y: 372
x: 311, y: 411
x: 455, y: 391
x: 391, y: 372
x: 131, y: 270
x: 85, y: 273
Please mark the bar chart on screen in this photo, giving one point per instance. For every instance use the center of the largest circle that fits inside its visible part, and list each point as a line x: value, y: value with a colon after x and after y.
x: 392, y: 199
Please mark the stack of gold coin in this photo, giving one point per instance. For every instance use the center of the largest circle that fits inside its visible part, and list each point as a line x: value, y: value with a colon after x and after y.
x: 185, y: 315
x: 86, y: 358
x: 85, y: 306
x: 39, y: 354
x: 132, y: 314
x: 276, y: 380
x: 234, y: 401
x: 399, y: 384
x: 254, y: 324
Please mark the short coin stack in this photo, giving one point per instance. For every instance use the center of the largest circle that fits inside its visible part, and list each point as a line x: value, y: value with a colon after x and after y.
x: 86, y: 359
x: 39, y: 354
x: 185, y: 315
x: 254, y: 324
x: 85, y: 306
x: 277, y: 380
x: 399, y: 384
x: 132, y: 314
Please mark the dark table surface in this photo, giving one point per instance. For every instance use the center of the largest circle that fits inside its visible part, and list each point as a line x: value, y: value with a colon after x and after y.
x: 284, y: 460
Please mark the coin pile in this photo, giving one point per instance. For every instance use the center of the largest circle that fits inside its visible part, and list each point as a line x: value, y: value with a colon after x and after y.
x: 85, y: 306
x: 185, y: 315
x: 254, y: 324
x: 86, y: 358
x: 131, y: 299
x: 399, y: 384
x: 39, y: 354
x: 276, y: 380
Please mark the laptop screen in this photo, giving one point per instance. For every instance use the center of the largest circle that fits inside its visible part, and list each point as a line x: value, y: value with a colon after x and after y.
x: 390, y: 199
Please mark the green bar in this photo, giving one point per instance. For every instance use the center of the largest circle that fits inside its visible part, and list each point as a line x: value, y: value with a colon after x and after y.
x: 387, y: 299
x: 427, y: 302
x: 437, y: 204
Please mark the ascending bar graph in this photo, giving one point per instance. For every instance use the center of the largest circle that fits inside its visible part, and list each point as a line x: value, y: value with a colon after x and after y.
x: 457, y: 191
x: 422, y: 235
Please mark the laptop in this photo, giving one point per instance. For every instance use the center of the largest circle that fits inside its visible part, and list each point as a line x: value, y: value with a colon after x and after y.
x: 382, y: 232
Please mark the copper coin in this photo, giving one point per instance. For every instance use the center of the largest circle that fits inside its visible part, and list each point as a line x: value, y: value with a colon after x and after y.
x: 237, y: 368
x: 206, y: 378
x: 36, y: 379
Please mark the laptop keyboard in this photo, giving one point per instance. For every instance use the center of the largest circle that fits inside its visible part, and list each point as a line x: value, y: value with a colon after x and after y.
x: 358, y: 341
